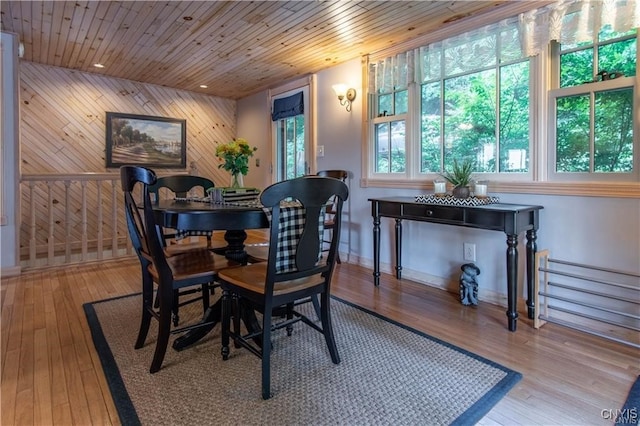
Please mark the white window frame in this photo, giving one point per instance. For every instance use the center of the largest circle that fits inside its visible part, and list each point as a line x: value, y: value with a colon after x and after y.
x: 412, y: 136
x: 534, y: 99
x: 407, y: 146
x: 590, y: 89
x: 554, y: 92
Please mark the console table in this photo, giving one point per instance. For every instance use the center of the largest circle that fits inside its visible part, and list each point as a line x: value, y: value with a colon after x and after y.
x: 512, y: 219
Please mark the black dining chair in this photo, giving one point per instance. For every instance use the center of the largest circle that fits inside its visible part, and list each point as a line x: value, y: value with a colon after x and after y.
x: 181, y: 186
x: 329, y: 221
x: 296, y: 269
x: 169, y: 273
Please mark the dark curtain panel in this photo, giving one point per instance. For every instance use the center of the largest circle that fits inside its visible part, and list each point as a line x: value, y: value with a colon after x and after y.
x: 288, y: 107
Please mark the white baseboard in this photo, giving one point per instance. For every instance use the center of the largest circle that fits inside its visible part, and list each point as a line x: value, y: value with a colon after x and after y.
x: 11, y: 271
x: 448, y: 284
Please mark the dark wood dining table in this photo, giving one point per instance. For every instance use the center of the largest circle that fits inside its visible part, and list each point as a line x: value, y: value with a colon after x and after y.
x: 235, y: 219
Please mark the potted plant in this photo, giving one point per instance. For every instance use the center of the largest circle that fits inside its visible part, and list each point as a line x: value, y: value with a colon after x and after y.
x: 459, y: 177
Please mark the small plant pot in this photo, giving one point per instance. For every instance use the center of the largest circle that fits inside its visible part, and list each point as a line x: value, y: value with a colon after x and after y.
x: 461, y: 192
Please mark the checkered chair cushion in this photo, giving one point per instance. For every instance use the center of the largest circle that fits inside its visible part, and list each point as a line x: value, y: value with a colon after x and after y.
x: 290, y: 227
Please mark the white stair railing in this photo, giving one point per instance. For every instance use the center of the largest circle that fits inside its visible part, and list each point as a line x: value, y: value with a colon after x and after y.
x: 71, y: 218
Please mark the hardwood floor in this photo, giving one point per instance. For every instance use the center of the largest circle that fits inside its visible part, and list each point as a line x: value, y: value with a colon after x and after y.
x: 51, y: 373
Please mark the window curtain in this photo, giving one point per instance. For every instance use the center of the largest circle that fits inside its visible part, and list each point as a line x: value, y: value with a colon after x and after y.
x: 288, y: 107
x: 469, y: 51
x: 572, y: 21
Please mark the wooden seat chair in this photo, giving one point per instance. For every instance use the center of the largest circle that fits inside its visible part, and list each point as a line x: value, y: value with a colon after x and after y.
x: 329, y: 223
x: 181, y: 186
x: 296, y: 269
x: 170, y: 273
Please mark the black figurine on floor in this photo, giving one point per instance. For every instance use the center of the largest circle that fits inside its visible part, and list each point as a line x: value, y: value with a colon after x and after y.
x: 469, y: 284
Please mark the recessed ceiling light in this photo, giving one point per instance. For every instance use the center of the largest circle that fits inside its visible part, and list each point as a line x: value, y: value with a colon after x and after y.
x: 203, y: 86
x: 98, y: 65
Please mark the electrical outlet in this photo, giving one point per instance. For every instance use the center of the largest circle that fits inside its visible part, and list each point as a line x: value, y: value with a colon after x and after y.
x: 470, y: 252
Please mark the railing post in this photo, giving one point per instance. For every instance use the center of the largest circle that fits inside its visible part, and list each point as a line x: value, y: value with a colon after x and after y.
x: 114, y: 219
x: 99, y: 224
x: 32, y: 227
x: 67, y: 222
x: 83, y: 185
x: 50, y: 240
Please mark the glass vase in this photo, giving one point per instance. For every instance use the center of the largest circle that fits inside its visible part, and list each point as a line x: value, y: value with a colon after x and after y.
x: 237, y: 180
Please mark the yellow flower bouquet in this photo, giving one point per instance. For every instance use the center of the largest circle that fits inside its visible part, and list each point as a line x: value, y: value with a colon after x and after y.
x: 235, y: 156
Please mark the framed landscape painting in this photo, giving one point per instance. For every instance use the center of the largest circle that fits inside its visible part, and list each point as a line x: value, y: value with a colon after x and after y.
x: 144, y: 140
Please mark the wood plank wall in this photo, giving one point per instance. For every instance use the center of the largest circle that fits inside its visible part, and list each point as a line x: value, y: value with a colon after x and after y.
x: 62, y: 130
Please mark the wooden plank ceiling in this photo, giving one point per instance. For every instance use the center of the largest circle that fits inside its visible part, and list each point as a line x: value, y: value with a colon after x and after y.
x: 236, y: 48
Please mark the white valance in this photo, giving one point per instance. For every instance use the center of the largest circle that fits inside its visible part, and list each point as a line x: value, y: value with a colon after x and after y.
x: 472, y: 50
x: 392, y: 73
x: 573, y: 21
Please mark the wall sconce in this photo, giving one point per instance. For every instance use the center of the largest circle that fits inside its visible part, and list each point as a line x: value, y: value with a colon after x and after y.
x: 345, y: 96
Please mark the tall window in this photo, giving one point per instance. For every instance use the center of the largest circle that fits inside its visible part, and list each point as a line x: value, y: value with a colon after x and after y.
x: 291, y: 147
x: 392, y: 105
x: 592, y: 107
x: 474, y: 103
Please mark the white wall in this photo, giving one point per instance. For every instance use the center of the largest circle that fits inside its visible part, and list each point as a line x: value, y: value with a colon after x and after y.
x: 254, y: 125
x: 596, y: 231
x: 341, y: 134
x: 10, y: 156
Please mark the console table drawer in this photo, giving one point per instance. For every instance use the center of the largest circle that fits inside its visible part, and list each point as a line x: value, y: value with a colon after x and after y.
x: 486, y: 220
x: 390, y: 209
x: 433, y: 212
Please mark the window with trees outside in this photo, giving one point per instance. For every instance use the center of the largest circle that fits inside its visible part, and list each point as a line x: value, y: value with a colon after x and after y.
x: 291, y: 147
x: 480, y: 96
x: 475, y: 103
x: 290, y: 111
x: 592, y: 107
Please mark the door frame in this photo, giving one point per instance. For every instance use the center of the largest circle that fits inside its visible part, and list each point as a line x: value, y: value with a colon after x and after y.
x: 308, y: 85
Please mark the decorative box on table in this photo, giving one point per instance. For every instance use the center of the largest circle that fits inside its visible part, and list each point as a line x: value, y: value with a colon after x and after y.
x: 450, y: 200
x: 239, y: 194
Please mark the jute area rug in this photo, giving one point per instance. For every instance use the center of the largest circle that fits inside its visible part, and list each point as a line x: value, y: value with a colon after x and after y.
x: 389, y: 374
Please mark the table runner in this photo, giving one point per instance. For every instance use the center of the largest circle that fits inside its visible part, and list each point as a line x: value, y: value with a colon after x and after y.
x: 450, y: 200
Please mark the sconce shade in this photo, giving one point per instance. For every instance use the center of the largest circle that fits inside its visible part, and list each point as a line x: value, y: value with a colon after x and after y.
x: 340, y: 89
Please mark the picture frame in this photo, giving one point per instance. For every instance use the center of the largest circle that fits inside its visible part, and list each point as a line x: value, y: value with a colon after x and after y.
x: 145, y: 140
